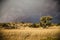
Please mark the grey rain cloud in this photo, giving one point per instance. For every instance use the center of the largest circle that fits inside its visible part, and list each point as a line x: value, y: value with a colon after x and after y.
x: 28, y: 10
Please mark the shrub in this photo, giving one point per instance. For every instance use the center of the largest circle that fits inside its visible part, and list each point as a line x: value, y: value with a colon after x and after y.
x: 58, y: 24
x: 45, y: 21
x: 13, y: 25
x: 5, y: 25
x: 22, y: 22
x: 8, y: 25
x: 34, y: 25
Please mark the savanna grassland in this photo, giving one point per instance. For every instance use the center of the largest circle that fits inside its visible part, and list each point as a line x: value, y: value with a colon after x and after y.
x: 30, y: 34
x: 44, y: 30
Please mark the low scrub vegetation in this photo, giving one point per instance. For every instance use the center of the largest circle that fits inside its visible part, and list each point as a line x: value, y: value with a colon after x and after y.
x: 45, y: 21
x: 34, y: 25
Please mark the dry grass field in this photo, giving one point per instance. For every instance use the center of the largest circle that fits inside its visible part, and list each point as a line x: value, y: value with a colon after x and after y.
x: 30, y: 34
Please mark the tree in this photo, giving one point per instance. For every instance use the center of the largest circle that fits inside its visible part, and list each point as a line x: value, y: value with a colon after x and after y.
x: 45, y: 21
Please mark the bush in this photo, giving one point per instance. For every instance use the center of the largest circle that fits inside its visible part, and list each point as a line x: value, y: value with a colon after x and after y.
x: 58, y: 24
x: 22, y: 22
x: 45, y: 21
x: 4, y: 25
x: 34, y: 25
x: 8, y: 25
x: 12, y: 25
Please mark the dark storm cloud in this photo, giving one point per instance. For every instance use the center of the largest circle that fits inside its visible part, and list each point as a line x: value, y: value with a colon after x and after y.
x: 28, y: 10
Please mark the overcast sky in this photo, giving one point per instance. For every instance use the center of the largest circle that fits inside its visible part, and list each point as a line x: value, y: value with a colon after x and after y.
x: 17, y: 10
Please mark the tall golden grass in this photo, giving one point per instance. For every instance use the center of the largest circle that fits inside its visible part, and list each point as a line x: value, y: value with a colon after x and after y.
x: 30, y: 34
